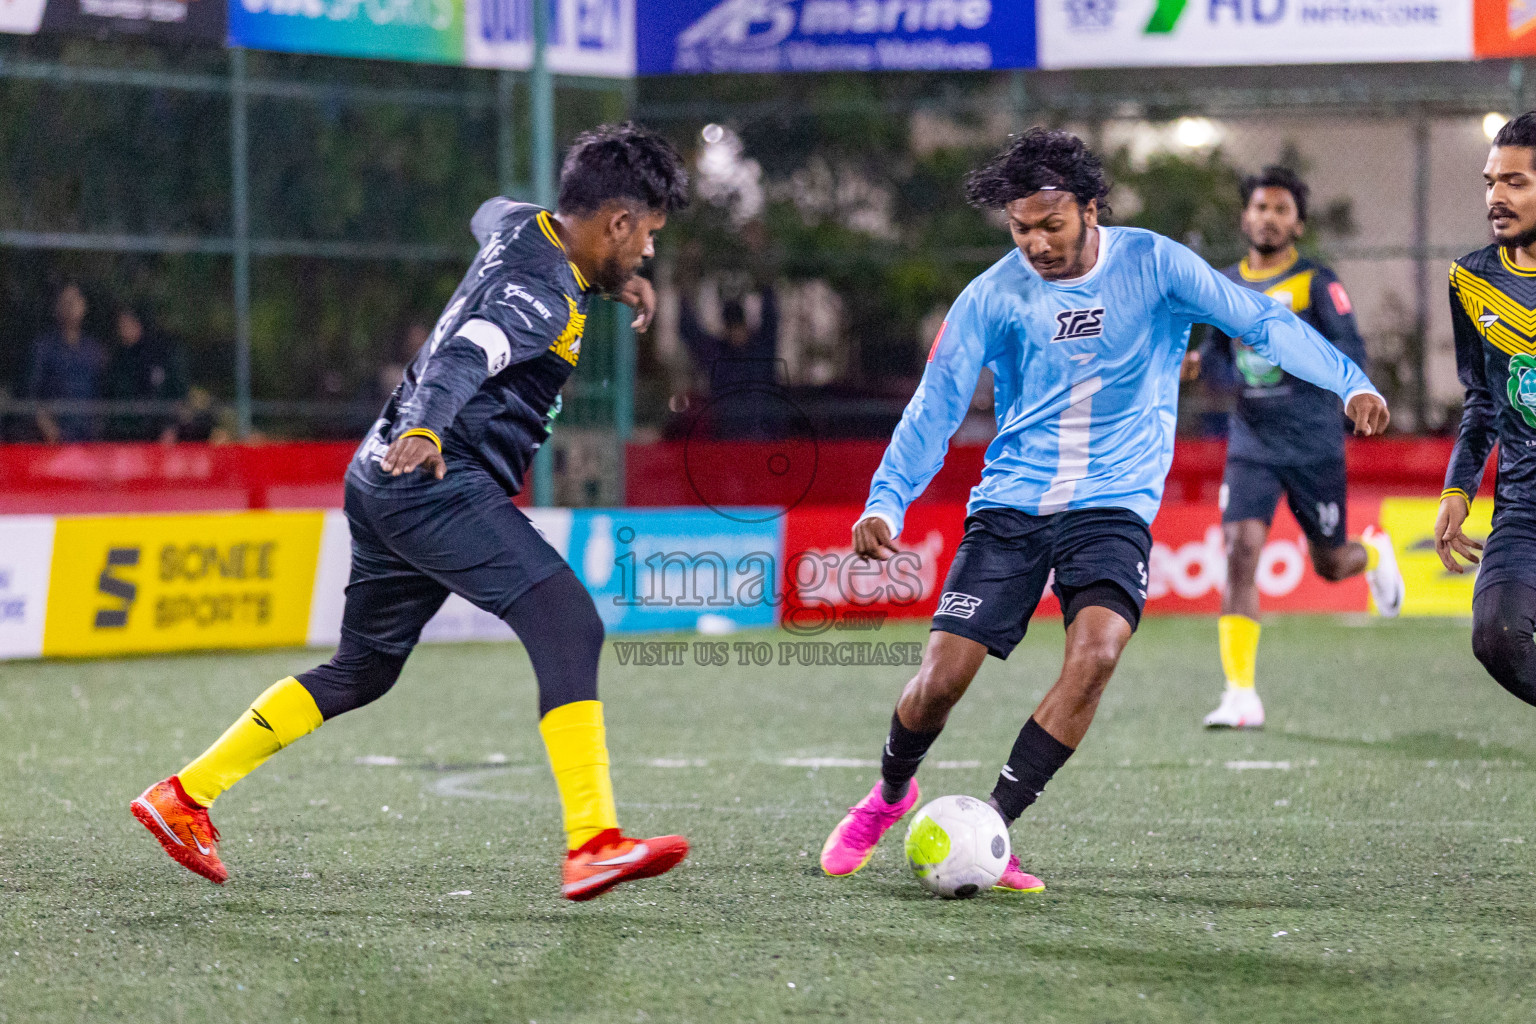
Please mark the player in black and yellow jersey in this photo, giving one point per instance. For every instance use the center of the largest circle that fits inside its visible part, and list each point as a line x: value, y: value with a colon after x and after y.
x: 1493, y: 312
x: 428, y: 503
x: 1286, y: 435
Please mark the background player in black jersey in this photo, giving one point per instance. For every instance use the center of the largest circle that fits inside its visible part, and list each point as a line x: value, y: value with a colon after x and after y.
x: 1493, y: 314
x: 1285, y: 435
x: 427, y: 500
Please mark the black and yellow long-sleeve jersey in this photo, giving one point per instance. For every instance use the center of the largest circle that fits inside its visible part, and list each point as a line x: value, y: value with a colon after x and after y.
x: 1493, y: 313
x: 1280, y: 419
x: 485, y: 384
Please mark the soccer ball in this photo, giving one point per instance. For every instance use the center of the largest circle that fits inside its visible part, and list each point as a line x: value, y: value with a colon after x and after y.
x: 957, y: 846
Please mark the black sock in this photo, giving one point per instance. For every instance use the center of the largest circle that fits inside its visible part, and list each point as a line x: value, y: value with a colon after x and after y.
x: 1036, y: 756
x: 904, y: 751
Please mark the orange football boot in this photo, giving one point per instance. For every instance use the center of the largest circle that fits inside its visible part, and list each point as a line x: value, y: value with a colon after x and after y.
x: 183, y: 828
x: 611, y: 857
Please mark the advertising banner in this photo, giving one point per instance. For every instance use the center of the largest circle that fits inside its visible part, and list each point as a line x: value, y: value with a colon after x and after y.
x: 692, y: 36
x: 826, y: 583
x: 21, y: 17
x: 1504, y: 28
x: 457, y: 620
x: 586, y: 37
x: 419, y: 30
x: 204, y: 21
x: 1429, y: 588
x: 1130, y: 33
x: 26, y: 552
x: 686, y: 568
x: 166, y: 583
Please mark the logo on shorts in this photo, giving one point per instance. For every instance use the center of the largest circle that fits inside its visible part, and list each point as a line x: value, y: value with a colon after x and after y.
x: 1072, y: 324
x: 1327, y: 517
x: 961, y: 606
x: 1522, y: 387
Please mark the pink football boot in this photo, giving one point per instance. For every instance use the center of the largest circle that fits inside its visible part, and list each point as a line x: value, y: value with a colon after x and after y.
x: 1016, y: 879
x: 853, y: 841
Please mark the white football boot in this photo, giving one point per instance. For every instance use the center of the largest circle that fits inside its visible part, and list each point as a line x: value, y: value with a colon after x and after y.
x: 1385, y: 581
x: 1240, y: 709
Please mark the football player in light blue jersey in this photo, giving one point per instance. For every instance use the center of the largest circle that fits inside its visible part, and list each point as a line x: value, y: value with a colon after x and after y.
x: 1084, y: 329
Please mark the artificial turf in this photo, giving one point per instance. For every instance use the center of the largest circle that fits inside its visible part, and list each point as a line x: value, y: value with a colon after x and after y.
x: 1366, y: 858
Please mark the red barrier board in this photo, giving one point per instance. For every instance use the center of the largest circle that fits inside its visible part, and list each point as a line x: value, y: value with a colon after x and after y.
x: 801, y: 472
x: 825, y: 583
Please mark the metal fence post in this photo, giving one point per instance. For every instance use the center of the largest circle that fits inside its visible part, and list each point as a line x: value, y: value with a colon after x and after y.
x: 1418, y: 344
x: 506, y: 148
x: 541, y: 95
x: 240, y: 204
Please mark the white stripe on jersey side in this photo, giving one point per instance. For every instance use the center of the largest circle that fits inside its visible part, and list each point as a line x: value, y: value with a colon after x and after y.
x: 1073, y: 430
x: 492, y: 340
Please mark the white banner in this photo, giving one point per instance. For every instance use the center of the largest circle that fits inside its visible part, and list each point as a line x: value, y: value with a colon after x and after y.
x: 1129, y: 33
x: 21, y: 16
x: 586, y: 37
x: 26, y: 560
x: 456, y: 620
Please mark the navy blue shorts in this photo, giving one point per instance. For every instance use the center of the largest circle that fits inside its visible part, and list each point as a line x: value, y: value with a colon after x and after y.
x: 1317, y: 493
x: 1509, y: 554
x: 414, y: 544
x: 1000, y: 570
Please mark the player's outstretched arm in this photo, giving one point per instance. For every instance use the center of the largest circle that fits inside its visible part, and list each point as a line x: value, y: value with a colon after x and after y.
x: 933, y: 415
x: 1196, y: 291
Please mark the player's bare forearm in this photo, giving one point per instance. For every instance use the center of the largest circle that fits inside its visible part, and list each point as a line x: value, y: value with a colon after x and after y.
x: 872, y: 539
x: 1450, y: 541
x: 639, y: 295
x: 408, y: 454
x: 1369, y: 413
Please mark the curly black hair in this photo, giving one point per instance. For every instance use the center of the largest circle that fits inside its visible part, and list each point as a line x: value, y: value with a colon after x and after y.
x: 622, y: 162
x: 1042, y: 159
x: 1519, y: 132
x: 1276, y: 176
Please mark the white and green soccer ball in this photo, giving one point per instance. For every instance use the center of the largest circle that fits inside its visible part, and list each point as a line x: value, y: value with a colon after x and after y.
x: 957, y: 846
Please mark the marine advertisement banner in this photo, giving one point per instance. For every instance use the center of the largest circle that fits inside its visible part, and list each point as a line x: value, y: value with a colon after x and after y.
x: 693, y: 36
x: 419, y: 30
x: 127, y: 584
x: 1132, y: 33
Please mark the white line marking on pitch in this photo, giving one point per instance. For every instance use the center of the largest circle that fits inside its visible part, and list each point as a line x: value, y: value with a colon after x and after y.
x: 1270, y: 766
x: 858, y: 762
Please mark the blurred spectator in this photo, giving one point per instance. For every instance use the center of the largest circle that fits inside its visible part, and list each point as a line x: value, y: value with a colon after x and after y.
x: 198, y: 420
x: 144, y: 367
x: 67, y: 365
x: 742, y: 364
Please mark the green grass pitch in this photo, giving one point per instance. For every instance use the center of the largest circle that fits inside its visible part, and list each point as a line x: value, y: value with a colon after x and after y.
x: 1367, y: 858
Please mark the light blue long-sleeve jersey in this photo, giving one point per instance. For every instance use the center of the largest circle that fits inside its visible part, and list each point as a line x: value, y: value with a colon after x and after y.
x: 1086, y: 377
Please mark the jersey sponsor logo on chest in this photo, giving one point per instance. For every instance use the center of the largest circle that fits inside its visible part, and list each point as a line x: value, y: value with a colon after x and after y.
x: 1072, y: 324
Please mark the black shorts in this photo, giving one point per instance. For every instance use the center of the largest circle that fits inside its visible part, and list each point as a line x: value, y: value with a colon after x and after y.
x: 1000, y: 570
x: 1509, y: 554
x: 1317, y: 493
x: 413, y: 545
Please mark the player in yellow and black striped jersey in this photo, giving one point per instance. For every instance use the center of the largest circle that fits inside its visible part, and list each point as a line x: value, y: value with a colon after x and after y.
x: 1493, y: 313
x: 429, y: 508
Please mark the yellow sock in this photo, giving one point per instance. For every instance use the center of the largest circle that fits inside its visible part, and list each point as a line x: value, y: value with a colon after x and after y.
x: 1372, y: 556
x: 1239, y: 640
x: 279, y: 716
x: 578, y: 753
